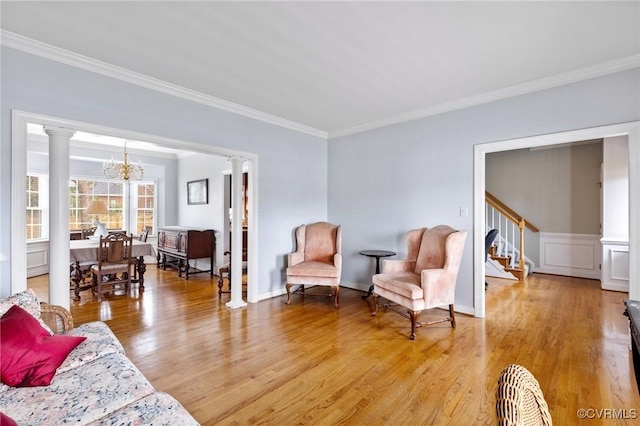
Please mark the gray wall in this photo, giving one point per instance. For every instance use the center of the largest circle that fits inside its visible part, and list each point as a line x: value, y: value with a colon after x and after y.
x: 556, y: 189
x: 387, y: 181
x: 293, y: 166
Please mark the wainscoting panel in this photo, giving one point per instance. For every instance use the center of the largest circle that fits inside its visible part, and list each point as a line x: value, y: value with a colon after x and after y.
x: 37, y: 258
x: 574, y: 255
x: 615, y: 265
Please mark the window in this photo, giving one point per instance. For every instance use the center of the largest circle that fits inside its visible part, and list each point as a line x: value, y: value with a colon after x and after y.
x: 37, y: 207
x: 145, y: 206
x: 81, y: 192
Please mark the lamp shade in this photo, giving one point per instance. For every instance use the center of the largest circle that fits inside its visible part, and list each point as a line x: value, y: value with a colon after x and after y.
x: 97, y: 207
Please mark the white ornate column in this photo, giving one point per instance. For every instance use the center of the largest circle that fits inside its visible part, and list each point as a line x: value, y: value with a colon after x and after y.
x: 59, y: 258
x: 236, y: 234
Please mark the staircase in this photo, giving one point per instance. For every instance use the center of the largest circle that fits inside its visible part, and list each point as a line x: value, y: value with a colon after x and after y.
x: 506, y: 265
x: 506, y: 257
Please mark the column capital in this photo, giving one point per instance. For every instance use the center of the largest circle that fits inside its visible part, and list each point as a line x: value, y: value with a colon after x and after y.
x: 236, y: 158
x: 59, y: 131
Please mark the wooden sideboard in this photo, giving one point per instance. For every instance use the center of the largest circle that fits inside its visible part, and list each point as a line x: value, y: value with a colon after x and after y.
x: 179, y: 244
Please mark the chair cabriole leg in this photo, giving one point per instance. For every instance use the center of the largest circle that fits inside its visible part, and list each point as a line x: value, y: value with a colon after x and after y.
x: 337, y: 290
x: 374, y: 305
x: 288, y: 293
x: 414, y: 321
x: 453, y: 316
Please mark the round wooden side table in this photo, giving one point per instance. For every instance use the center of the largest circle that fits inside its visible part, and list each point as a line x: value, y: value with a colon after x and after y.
x: 377, y: 254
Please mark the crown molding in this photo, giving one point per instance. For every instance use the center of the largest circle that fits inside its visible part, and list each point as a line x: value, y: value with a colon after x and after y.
x: 599, y: 70
x: 48, y: 51
x: 44, y: 50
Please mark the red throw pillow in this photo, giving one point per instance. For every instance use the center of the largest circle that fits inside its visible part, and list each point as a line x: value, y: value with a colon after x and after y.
x: 30, y: 356
x: 6, y: 420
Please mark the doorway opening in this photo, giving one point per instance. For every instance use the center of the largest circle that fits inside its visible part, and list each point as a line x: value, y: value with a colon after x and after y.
x: 631, y: 130
x: 20, y: 120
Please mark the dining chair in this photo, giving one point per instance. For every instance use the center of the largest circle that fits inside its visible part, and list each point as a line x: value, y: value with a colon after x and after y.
x: 114, y: 264
x: 225, y: 272
x: 85, y: 267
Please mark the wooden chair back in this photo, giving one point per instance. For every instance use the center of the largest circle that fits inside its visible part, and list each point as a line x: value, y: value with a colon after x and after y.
x: 114, y: 263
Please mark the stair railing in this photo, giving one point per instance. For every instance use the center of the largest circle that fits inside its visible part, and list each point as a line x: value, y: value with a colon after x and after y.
x: 501, y: 217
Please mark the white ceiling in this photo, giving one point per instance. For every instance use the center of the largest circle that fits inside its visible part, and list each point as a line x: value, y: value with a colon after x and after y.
x: 340, y: 67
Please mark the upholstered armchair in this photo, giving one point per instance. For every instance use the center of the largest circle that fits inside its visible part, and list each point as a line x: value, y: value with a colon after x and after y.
x: 426, y: 279
x: 317, y: 260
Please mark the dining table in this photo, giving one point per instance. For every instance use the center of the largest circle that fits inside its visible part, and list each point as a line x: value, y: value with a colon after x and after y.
x: 85, y: 252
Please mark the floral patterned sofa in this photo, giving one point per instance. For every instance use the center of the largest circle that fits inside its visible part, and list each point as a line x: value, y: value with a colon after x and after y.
x: 96, y: 383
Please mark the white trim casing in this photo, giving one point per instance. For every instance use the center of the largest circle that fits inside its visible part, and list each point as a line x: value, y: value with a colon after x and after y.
x: 18, y: 202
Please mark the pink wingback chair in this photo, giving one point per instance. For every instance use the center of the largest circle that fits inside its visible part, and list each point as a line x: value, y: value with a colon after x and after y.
x: 317, y: 259
x: 427, y: 278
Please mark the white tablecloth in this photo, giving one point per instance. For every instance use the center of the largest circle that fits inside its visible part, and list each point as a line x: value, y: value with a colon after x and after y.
x: 87, y: 250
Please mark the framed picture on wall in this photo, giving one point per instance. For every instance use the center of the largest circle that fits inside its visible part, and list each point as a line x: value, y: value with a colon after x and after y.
x: 198, y: 191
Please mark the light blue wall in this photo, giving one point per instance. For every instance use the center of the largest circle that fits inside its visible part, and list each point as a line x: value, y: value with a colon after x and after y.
x: 293, y: 166
x: 380, y: 183
x: 387, y: 181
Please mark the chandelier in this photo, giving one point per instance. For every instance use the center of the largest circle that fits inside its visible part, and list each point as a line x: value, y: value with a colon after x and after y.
x: 124, y: 170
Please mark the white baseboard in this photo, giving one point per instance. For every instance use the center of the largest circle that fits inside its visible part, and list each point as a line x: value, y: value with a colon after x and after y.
x: 616, y: 287
x: 272, y: 294
x: 462, y: 309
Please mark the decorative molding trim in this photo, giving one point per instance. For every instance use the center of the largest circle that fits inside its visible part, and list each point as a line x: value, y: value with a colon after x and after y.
x: 615, y: 266
x: 499, y: 94
x: 37, y: 258
x: 47, y: 51
x: 574, y: 255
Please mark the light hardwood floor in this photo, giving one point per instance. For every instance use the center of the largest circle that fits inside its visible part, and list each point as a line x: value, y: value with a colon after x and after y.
x: 309, y: 363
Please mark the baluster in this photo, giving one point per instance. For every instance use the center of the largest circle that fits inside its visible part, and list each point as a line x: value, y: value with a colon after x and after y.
x: 500, y: 246
x: 513, y: 245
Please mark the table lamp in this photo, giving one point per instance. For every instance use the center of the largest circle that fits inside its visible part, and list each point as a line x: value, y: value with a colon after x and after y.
x: 96, y: 208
